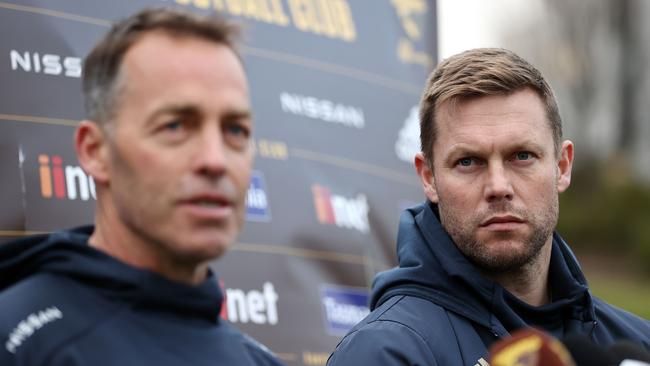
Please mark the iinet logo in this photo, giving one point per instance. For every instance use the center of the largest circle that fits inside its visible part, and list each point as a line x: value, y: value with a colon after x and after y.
x: 254, y: 306
x: 48, y: 63
x: 69, y: 182
x: 331, y: 209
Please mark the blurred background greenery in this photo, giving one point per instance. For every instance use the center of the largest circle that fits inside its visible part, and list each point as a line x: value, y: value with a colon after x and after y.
x: 605, y: 216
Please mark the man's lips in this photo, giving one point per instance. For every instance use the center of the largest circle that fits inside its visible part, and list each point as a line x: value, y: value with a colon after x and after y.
x: 502, y: 222
x: 208, y: 206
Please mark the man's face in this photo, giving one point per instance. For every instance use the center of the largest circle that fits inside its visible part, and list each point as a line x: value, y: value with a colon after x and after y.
x: 496, y: 178
x: 179, y: 147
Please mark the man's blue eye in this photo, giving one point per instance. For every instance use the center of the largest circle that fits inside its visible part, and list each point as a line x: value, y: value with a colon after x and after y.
x: 524, y: 155
x: 237, y: 130
x: 173, y: 126
x: 465, y: 162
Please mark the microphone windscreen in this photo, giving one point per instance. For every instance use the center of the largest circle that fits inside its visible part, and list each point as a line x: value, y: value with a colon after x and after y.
x: 629, y: 351
x: 529, y: 347
x: 585, y: 352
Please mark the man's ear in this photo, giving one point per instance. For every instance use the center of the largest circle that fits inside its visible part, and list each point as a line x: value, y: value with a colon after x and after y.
x: 564, y: 165
x: 423, y: 169
x: 91, y: 145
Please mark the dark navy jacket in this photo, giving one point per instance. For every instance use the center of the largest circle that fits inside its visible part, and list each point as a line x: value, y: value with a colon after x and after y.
x: 65, y: 303
x: 437, y: 309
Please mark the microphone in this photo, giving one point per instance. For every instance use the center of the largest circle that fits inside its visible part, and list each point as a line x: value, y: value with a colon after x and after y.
x: 626, y: 353
x: 530, y: 347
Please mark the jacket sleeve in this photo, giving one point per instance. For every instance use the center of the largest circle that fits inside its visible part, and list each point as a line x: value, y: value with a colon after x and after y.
x: 383, y: 343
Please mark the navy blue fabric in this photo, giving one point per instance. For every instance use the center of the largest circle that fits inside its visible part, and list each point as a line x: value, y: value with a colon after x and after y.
x: 110, y: 313
x: 437, y: 309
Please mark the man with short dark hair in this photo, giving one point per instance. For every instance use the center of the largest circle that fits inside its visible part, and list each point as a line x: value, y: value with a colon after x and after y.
x: 168, y: 145
x: 480, y: 259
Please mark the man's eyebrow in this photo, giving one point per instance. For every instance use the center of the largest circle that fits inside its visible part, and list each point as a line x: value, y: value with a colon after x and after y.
x: 238, y: 113
x: 189, y: 109
x: 527, y: 145
x: 472, y: 149
x: 463, y: 148
x: 179, y: 109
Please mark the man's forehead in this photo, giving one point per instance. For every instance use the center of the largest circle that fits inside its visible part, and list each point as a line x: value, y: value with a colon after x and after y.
x: 163, y: 74
x: 510, y: 100
x: 149, y: 47
x: 520, y: 115
x: 159, y: 56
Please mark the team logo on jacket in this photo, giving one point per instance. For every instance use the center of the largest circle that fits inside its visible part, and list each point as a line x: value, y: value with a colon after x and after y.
x: 343, y: 307
x: 257, y: 203
x: 30, y: 325
x: 344, y: 212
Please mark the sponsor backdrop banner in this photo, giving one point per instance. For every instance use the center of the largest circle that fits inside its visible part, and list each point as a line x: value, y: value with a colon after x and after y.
x: 335, y: 86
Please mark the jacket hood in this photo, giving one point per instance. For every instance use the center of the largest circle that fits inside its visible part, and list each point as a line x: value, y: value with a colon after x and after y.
x: 432, y: 267
x: 67, y: 253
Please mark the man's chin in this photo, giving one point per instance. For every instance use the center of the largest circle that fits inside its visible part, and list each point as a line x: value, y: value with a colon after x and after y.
x: 489, y: 246
x: 504, y: 247
x: 202, y: 247
x: 502, y: 256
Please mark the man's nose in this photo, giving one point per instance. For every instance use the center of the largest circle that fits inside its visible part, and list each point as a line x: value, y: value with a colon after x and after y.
x: 211, y: 153
x: 498, y: 185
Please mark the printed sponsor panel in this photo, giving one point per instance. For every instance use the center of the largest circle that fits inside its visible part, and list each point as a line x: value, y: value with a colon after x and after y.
x: 407, y: 143
x: 280, y: 304
x: 341, y: 211
x: 326, y: 100
x: 295, y: 177
x: 57, y: 192
x: 42, y: 62
x: 91, y: 12
x: 257, y: 201
x: 346, y: 31
x: 294, y: 213
x: 319, y: 205
x: 255, y: 306
x: 343, y: 307
x: 338, y: 32
x: 12, y: 214
x: 310, y: 109
x: 346, y: 203
x: 322, y: 110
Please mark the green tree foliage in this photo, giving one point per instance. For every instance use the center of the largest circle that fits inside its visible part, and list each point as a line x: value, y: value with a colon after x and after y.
x: 607, y: 211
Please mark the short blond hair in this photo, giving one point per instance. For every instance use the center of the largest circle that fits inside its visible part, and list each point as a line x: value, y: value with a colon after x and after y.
x: 482, y: 72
